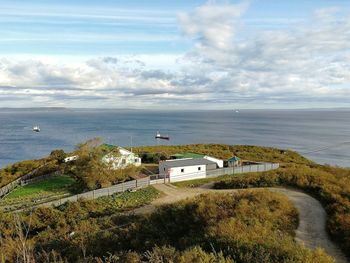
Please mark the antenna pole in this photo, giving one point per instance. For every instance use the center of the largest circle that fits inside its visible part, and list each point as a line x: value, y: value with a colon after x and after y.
x: 131, y: 143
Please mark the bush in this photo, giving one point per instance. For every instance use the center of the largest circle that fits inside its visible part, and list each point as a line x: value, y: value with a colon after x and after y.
x: 254, y: 226
x: 16, y: 170
x: 329, y: 185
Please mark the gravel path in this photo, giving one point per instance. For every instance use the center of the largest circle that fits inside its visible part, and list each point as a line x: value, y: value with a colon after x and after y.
x: 312, y: 218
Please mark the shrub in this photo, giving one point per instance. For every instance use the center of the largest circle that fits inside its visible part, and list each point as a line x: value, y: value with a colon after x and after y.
x: 330, y: 185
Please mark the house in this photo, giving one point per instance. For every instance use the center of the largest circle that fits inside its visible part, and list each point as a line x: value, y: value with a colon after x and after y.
x: 189, y: 155
x: 70, y: 158
x: 120, y: 158
x: 234, y: 162
x: 185, y: 169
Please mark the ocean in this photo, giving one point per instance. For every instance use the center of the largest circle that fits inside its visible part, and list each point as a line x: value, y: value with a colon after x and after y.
x: 302, y: 130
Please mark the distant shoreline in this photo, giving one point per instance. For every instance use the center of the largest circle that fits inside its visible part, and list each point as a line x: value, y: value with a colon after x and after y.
x: 175, y: 110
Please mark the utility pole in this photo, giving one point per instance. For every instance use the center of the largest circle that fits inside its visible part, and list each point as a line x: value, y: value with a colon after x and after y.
x: 131, y: 143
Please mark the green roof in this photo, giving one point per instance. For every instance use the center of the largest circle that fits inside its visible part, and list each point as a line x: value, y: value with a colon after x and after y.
x: 108, y: 146
x: 234, y: 158
x: 187, y: 155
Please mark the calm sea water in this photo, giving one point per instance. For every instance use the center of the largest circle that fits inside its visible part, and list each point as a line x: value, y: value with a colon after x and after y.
x: 299, y: 130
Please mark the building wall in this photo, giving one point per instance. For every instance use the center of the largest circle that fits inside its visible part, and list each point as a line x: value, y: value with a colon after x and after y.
x: 189, y: 172
x: 234, y: 163
x: 220, y: 163
x: 123, y: 160
x: 176, y: 174
x: 211, y: 166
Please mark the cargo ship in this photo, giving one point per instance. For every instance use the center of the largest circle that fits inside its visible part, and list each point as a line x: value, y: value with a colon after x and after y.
x: 162, y: 137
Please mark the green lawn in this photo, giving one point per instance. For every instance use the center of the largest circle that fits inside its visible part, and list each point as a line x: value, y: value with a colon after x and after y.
x: 53, y: 185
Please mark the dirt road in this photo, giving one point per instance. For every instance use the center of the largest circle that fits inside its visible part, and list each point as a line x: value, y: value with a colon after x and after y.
x: 311, y: 230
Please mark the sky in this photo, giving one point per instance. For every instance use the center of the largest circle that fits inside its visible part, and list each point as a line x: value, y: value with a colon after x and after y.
x: 184, y: 54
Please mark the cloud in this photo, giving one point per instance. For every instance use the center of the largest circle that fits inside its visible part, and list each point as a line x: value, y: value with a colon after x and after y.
x: 304, y: 65
x: 214, y: 27
x: 308, y: 62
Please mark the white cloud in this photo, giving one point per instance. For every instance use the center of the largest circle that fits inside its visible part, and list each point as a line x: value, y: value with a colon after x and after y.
x: 213, y: 26
x: 306, y: 65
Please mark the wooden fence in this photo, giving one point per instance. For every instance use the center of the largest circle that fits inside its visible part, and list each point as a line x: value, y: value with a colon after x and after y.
x: 25, y: 179
x: 154, y: 179
x: 118, y: 188
x: 252, y: 168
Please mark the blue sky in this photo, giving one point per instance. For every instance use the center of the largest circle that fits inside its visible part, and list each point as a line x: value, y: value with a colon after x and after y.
x: 142, y: 54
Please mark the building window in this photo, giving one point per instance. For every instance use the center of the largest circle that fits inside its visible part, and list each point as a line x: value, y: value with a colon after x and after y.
x: 182, y: 170
x: 164, y: 168
x: 199, y: 168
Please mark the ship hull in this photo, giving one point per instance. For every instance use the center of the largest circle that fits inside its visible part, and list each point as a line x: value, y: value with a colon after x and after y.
x: 162, y: 137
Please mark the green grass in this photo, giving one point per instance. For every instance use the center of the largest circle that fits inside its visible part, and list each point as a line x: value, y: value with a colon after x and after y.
x: 199, y: 182
x: 53, y: 185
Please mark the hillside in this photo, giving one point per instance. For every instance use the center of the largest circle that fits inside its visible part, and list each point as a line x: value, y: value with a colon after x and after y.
x: 256, y: 226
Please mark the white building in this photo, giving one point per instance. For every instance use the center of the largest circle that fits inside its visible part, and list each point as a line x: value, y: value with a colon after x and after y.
x: 185, y: 169
x: 220, y: 163
x: 122, y: 159
x: 70, y: 158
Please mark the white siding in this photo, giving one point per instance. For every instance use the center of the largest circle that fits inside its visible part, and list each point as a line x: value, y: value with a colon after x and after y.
x: 177, y: 174
x: 219, y: 162
x: 126, y: 158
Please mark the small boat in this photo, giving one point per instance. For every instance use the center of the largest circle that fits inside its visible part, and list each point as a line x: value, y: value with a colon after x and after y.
x: 36, y: 129
x: 159, y: 136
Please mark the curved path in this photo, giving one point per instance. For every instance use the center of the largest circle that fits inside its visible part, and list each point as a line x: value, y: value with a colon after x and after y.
x: 312, y: 218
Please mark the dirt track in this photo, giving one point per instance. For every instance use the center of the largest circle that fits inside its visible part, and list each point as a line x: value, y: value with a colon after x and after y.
x: 311, y: 230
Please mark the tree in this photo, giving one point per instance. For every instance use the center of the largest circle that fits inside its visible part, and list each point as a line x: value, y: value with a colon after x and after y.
x: 58, y: 155
x: 91, y: 170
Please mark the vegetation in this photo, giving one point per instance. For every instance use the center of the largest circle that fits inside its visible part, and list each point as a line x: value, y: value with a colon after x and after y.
x: 16, y: 170
x: 36, y: 168
x: 53, y: 185
x: 31, y: 235
x: 245, y: 227
x: 109, y: 205
x: 92, y: 172
x: 223, y: 151
x: 253, y: 226
x: 330, y: 185
x: 199, y: 182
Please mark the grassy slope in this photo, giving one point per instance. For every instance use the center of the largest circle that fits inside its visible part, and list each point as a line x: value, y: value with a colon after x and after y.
x: 119, y: 202
x: 225, y: 152
x: 16, y: 170
x: 256, y: 226
x: 330, y: 185
x: 53, y: 185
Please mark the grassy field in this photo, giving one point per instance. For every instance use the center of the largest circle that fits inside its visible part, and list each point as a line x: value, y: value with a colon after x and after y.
x: 53, y: 185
